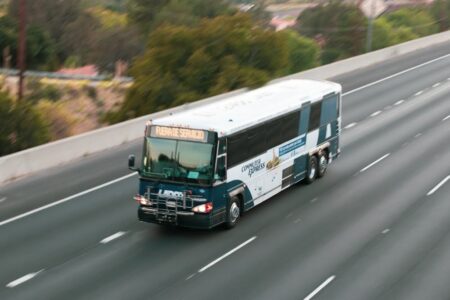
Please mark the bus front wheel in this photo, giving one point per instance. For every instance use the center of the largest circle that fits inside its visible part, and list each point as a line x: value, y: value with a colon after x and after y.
x: 312, y: 170
x: 233, y: 213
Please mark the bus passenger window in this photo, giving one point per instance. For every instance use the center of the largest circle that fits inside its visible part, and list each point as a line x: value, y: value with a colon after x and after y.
x: 314, y: 116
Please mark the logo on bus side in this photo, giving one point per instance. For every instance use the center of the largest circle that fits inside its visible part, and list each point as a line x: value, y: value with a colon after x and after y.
x: 253, y: 167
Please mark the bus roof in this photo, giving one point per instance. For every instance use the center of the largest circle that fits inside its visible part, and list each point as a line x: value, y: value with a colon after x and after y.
x: 235, y: 113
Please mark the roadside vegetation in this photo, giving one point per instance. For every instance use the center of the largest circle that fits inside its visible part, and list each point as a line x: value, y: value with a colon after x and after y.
x: 178, y: 51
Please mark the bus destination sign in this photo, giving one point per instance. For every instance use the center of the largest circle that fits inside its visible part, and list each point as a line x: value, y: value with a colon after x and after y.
x: 179, y: 133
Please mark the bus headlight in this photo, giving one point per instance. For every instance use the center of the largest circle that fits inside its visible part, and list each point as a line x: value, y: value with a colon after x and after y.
x: 141, y: 200
x: 204, y: 208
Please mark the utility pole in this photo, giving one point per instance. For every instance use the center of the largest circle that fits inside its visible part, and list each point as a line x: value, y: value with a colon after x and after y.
x: 370, y: 26
x: 22, y: 47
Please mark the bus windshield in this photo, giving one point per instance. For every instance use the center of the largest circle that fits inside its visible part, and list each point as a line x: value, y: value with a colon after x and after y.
x: 178, y: 160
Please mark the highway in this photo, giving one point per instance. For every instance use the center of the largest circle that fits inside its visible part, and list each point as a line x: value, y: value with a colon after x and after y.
x: 377, y: 226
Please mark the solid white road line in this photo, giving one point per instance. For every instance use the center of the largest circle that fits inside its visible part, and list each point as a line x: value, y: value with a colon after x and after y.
x: 399, y: 102
x: 385, y: 231
x: 446, y: 118
x: 227, y: 254
x: 22, y: 279
x: 436, y: 84
x: 320, y: 287
x: 418, y: 93
x: 112, y: 237
x: 397, y: 74
x: 431, y: 192
x: 66, y: 199
x: 374, y: 163
x: 350, y: 125
x: 376, y: 113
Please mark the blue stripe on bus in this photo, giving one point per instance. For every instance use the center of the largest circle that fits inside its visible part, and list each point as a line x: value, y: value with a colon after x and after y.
x: 292, y: 146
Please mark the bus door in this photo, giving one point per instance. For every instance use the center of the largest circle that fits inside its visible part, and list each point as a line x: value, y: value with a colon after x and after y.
x: 300, y: 162
x: 328, y: 118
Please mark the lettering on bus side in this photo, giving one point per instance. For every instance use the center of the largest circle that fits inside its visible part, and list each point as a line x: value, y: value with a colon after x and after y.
x: 170, y: 194
x: 253, y: 167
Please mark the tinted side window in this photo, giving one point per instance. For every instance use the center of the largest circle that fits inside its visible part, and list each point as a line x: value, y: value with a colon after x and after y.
x: 329, y: 109
x: 237, y: 149
x: 314, y: 116
x: 256, y: 141
x: 291, y: 124
x: 273, y: 131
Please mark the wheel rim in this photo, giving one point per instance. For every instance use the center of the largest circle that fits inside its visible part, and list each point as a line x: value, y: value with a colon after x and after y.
x: 323, y: 164
x: 234, y: 212
x: 312, y: 171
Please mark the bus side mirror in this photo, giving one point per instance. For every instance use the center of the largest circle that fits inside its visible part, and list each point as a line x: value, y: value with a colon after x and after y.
x: 221, y: 172
x: 131, y: 160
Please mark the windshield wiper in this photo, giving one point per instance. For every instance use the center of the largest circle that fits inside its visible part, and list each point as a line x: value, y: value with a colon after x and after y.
x: 161, y: 175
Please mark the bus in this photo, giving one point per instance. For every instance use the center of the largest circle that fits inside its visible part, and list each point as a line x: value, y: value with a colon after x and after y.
x: 206, y: 166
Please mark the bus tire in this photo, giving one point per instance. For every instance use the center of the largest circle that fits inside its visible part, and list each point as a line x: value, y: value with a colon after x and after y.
x: 322, y: 164
x: 311, y: 173
x: 233, y: 213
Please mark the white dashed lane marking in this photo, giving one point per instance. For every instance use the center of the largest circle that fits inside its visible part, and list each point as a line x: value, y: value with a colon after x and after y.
x: 190, y: 276
x: 436, y: 84
x: 399, y: 102
x: 433, y: 190
x: 374, y: 163
x: 385, y: 231
x: 376, y: 113
x: 350, y: 125
x: 446, y: 118
x: 227, y: 254
x: 418, y: 93
x: 2, y: 199
x: 319, y: 288
x: 112, y: 237
x: 22, y: 279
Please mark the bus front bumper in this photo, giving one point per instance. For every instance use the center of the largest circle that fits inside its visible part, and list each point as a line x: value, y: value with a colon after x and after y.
x: 181, y: 218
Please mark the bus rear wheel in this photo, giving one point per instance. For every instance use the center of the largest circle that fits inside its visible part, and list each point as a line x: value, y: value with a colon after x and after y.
x: 233, y: 213
x: 312, y: 170
x: 323, y: 164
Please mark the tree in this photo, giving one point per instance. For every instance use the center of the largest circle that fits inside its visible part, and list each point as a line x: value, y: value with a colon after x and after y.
x: 385, y: 34
x: 440, y: 10
x: 40, y: 47
x: 184, y: 64
x: 304, y: 53
x: 342, y: 26
x: 115, y: 43
x: 53, y: 16
x: 149, y: 14
x: 21, y: 126
x: 418, y: 20
x: 71, y: 28
x: 143, y: 12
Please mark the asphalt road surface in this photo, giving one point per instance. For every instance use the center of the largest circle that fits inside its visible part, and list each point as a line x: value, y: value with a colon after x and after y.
x: 377, y: 226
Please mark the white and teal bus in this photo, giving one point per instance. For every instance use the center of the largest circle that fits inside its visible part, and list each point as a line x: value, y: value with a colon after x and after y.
x: 205, y: 166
